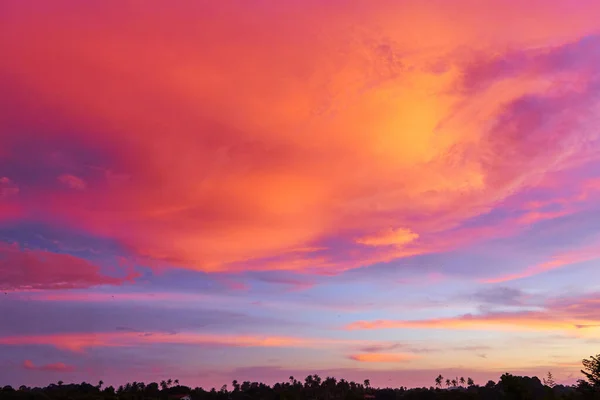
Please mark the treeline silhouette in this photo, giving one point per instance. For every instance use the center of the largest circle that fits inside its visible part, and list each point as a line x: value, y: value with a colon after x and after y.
x: 508, y: 387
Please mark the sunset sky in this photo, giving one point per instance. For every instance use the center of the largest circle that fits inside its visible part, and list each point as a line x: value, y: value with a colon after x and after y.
x: 219, y: 190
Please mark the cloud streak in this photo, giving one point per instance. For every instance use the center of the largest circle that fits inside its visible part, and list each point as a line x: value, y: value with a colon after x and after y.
x: 55, y: 367
x: 382, y: 357
x: 80, y: 342
x: 576, y: 316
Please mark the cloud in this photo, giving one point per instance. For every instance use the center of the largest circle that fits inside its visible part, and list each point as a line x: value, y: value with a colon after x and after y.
x: 397, y: 237
x: 37, y: 269
x: 501, y: 296
x: 56, y: 367
x: 72, y: 182
x: 83, y: 311
x: 80, y: 342
x: 577, y: 316
x: 387, y: 138
x: 382, y: 357
x: 559, y: 260
x: 7, y: 188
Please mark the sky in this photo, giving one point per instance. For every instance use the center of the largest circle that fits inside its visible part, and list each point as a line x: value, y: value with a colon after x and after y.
x: 219, y: 190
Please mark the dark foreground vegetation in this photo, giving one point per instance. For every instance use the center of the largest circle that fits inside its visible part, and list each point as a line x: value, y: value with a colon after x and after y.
x: 509, y: 387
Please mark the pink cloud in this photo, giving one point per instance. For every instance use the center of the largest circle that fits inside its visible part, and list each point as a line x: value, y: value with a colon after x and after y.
x: 80, y: 342
x: 37, y: 269
x: 56, y: 367
x: 382, y: 357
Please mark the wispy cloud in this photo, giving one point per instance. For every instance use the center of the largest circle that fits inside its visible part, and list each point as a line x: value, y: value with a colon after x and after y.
x: 557, y: 261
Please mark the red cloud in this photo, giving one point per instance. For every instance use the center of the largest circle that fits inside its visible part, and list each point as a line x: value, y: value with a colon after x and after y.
x: 37, y: 269
x: 56, y: 367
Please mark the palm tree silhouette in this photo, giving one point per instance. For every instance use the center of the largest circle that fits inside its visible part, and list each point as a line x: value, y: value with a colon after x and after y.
x: 462, y: 381
x: 439, y: 380
x: 448, y: 382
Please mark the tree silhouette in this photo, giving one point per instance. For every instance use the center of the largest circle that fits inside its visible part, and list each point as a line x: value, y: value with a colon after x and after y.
x: 591, y: 370
x: 549, y: 380
x: 509, y: 387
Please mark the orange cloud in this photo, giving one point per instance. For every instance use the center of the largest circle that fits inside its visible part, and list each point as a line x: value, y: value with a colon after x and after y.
x: 382, y: 357
x: 390, y: 237
x: 232, y: 157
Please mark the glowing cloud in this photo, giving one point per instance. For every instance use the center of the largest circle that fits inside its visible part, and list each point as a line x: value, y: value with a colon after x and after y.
x: 345, y: 128
x: 390, y: 237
